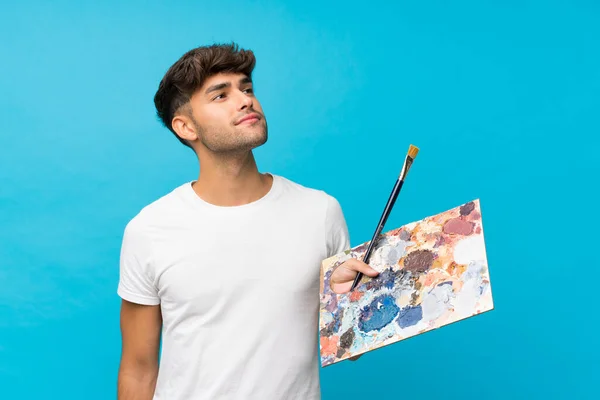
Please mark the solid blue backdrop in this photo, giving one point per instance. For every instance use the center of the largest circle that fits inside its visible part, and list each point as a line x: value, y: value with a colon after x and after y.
x: 502, y: 98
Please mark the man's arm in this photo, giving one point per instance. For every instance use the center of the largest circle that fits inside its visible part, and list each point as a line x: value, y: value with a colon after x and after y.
x: 140, y: 335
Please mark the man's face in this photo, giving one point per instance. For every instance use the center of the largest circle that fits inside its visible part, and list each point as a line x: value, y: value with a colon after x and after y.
x: 227, y: 116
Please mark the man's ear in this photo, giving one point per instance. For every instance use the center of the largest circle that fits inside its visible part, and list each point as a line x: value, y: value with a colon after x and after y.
x: 183, y: 126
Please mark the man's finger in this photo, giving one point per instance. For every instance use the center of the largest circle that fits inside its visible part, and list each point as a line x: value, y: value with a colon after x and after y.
x: 360, y: 266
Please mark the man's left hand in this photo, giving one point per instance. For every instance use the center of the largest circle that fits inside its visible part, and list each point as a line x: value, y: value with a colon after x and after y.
x: 343, y: 276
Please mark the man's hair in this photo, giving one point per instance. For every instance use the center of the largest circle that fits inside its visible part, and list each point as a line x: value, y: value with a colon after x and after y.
x: 190, y: 72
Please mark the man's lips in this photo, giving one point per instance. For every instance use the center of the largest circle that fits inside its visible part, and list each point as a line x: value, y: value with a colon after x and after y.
x: 250, y: 118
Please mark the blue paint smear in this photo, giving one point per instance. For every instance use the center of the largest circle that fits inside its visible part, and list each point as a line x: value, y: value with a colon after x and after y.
x: 410, y: 316
x: 386, y: 279
x: 337, y: 318
x: 378, y: 314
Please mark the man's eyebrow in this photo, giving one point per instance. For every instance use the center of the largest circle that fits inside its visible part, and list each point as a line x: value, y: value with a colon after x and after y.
x: 221, y: 86
x: 218, y: 86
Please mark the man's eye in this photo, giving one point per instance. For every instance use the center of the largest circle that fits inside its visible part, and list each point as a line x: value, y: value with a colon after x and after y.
x: 219, y: 96
x: 249, y: 90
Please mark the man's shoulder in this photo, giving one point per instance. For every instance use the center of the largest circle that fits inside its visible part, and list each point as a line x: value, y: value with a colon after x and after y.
x: 293, y: 187
x: 157, y: 210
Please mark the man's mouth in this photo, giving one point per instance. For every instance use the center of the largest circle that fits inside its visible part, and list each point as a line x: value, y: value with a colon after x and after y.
x: 249, y: 119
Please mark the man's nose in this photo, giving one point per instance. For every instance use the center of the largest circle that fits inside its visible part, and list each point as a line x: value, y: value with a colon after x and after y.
x: 245, y: 101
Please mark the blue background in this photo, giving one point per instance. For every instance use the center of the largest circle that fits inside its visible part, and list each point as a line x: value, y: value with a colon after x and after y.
x: 502, y: 98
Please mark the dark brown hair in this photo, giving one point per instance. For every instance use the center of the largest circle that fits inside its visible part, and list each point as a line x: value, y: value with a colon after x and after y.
x: 190, y: 72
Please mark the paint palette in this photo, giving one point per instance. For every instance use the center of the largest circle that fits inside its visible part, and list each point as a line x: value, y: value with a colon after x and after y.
x: 432, y: 273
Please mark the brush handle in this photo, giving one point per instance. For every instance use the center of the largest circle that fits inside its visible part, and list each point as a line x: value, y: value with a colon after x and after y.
x: 384, y: 216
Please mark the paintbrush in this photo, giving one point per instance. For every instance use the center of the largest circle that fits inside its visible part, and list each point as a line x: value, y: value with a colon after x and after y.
x: 410, y: 158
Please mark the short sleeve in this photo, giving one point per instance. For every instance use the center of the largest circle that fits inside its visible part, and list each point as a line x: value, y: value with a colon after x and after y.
x: 135, y: 270
x: 338, y: 238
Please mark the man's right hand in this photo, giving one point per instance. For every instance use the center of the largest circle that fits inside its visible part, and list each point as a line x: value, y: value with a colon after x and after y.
x: 140, y: 333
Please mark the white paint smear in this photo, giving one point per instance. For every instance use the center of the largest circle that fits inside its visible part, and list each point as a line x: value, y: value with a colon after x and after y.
x: 470, y: 249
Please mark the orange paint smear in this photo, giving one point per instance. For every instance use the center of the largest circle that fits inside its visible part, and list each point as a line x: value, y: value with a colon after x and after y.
x: 329, y: 345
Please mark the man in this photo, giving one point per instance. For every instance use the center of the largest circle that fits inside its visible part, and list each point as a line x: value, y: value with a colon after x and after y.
x: 225, y: 269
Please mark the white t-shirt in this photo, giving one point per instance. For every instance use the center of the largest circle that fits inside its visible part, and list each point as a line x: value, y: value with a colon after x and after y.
x: 238, y: 289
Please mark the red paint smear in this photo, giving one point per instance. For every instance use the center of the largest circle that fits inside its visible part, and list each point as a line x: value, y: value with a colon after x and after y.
x: 356, y: 295
x: 458, y: 226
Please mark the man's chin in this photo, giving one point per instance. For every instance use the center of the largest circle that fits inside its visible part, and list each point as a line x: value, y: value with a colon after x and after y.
x: 245, y: 147
x: 258, y: 141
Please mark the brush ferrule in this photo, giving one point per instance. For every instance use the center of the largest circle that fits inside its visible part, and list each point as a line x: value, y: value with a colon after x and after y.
x: 407, y: 164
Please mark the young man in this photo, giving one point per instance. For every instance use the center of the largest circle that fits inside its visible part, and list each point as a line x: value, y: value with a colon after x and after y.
x: 225, y: 269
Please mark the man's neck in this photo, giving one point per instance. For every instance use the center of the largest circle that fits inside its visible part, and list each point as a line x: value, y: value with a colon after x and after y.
x: 231, y: 181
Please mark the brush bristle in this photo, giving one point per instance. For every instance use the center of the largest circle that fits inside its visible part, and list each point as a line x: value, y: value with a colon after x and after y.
x: 413, y: 151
